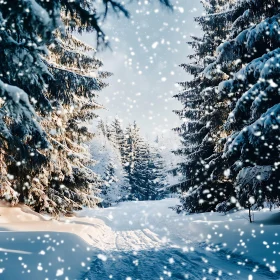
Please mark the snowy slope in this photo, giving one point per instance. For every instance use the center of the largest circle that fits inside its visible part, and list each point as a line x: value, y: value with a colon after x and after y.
x: 140, y: 240
x: 36, y: 247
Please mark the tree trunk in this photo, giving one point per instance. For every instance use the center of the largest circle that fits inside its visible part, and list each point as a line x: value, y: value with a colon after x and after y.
x: 250, y: 215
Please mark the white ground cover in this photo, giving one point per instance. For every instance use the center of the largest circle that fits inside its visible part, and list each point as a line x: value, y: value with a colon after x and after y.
x: 140, y: 240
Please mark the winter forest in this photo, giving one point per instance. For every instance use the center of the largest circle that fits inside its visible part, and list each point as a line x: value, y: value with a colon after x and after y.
x: 139, y: 139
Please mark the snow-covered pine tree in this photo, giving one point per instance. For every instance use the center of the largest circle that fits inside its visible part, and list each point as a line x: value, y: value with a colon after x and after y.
x: 132, y: 136
x: 164, y: 146
x: 30, y: 84
x: 244, y: 75
x: 108, y: 165
x: 72, y: 92
x: 102, y: 127
x: 157, y: 174
x: 26, y: 28
x: 110, y: 179
x: 139, y: 176
x: 143, y: 167
x: 203, y: 115
x: 134, y: 148
x: 251, y: 55
x: 118, y: 138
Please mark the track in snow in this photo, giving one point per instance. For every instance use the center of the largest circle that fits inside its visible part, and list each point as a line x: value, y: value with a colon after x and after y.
x: 150, y: 244
x: 169, y: 263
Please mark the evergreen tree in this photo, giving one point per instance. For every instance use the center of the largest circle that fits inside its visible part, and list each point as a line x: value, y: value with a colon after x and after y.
x: 203, y: 116
x: 118, y: 138
x: 143, y: 167
x: 108, y: 165
x: 45, y: 163
x: 164, y: 146
x: 157, y: 174
x: 72, y: 61
x: 111, y: 190
x: 66, y: 182
x: 252, y: 92
x: 238, y: 91
x: 139, y: 178
x: 102, y: 127
x: 26, y: 28
x: 133, y: 148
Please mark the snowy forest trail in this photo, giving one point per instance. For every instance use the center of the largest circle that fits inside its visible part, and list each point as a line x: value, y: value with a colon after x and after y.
x: 153, y: 242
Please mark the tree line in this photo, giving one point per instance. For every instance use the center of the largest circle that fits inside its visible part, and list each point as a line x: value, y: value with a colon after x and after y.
x: 134, y: 170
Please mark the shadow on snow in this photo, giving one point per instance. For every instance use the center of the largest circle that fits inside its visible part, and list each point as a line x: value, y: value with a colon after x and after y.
x: 172, y: 263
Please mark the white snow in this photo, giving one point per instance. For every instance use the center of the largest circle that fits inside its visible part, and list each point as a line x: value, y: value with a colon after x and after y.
x: 38, y: 247
x: 148, y: 233
x: 154, y: 45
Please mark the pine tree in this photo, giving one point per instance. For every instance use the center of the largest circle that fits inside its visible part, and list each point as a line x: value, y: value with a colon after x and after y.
x: 118, y: 138
x: 66, y: 181
x: 108, y: 165
x: 252, y: 92
x: 26, y: 28
x: 132, y: 138
x: 241, y: 79
x: 157, y: 174
x: 110, y: 191
x: 143, y: 167
x: 102, y: 128
x: 203, y: 116
x: 35, y: 95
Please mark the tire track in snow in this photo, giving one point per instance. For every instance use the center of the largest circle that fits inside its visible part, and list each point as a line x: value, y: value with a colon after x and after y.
x: 152, y: 235
x: 135, y: 240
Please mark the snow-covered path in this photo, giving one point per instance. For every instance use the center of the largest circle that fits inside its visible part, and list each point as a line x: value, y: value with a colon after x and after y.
x: 140, y: 240
x: 153, y: 242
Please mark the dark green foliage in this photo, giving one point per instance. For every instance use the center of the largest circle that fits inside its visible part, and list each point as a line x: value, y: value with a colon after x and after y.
x: 231, y: 109
x: 41, y: 132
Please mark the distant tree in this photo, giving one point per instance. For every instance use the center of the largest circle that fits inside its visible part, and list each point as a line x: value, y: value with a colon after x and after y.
x: 111, y: 190
x: 157, y: 173
x: 108, y: 165
x: 102, y: 127
x: 118, y: 138
x: 143, y: 167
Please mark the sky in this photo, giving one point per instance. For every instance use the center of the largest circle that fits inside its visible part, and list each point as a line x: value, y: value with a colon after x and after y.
x: 147, y: 50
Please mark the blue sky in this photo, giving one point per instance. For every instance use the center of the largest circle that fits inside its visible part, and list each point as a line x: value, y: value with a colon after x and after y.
x: 146, y: 53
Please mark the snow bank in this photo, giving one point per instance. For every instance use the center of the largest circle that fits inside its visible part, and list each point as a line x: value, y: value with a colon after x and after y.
x: 37, y: 247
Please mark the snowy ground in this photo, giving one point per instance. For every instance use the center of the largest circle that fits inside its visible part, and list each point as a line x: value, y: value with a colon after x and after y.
x: 140, y: 240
